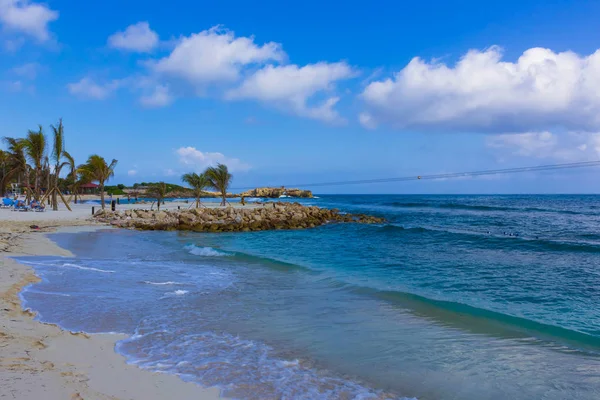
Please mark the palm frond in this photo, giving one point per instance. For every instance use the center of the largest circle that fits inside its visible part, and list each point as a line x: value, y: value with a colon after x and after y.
x: 219, y: 178
x: 59, y: 141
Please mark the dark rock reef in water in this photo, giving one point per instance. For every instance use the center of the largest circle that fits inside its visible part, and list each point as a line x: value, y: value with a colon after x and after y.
x: 267, y: 217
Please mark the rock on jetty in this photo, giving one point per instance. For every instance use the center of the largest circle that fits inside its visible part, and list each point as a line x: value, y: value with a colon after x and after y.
x: 267, y: 217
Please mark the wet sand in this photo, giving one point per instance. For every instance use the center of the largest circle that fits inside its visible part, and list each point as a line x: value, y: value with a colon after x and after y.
x: 41, y: 361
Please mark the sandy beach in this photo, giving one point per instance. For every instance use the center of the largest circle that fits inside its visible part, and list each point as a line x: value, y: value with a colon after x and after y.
x: 41, y: 361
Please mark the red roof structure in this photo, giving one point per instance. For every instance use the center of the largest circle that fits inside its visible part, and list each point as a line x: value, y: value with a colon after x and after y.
x: 88, y: 186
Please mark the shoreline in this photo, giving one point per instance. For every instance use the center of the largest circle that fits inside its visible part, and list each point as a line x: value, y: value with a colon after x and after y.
x: 41, y: 360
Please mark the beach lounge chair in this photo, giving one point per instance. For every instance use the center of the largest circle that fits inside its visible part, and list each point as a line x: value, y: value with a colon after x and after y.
x: 20, y: 206
x: 35, y: 206
x: 7, y: 203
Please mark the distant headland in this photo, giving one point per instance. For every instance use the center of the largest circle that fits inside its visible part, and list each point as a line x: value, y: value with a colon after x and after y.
x: 175, y: 191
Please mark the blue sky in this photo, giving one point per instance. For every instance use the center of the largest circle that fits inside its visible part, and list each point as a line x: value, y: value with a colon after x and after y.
x: 322, y: 91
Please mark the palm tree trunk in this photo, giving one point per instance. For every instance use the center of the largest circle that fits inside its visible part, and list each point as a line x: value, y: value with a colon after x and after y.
x: 48, y: 188
x: 224, y: 201
x: 54, y: 193
x: 38, y: 181
x: 197, y: 201
x: 55, y: 199
x: 102, y: 194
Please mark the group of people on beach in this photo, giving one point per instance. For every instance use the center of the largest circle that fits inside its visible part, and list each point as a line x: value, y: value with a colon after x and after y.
x: 21, y: 204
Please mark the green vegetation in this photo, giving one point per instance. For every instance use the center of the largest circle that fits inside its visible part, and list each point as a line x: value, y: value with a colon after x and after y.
x: 219, y: 179
x: 14, y: 164
x: 171, y: 187
x: 58, y: 155
x: 158, y: 191
x: 27, y: 163
x: 97, y: 169
x: 34, y: 146
x: 115, y: 190
x: 198, y: 183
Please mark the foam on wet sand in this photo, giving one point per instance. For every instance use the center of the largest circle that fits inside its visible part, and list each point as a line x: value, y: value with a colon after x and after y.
x: 41, y: 361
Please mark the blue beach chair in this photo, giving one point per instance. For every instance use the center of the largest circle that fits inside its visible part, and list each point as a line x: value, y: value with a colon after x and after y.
x: 7, y: 203
x: 20, y: 206
x: 36, y: 206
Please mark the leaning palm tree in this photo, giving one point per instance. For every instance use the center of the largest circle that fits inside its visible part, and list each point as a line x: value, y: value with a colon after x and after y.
x: 4, y: 165
x: 34, y: 146
x: 96, y: 169
x: 158, y: 191
x: 58, y: 154
x: 16, y: 162
x: 46, y: 172
x: 198, y: 183
x: 219, y: 179
x: 72, y: 175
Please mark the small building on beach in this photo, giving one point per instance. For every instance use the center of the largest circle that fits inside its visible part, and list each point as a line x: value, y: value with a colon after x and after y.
x: 88, y: 188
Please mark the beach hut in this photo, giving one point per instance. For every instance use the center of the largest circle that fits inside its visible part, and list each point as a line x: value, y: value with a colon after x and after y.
x: 88, y: 188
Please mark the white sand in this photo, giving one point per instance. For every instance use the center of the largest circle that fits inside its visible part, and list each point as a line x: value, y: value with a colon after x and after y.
x: 81, y: 212
x: 40, y: 361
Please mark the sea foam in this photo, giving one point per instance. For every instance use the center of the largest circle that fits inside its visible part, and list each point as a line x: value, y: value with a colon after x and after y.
x: 69, y: 265
x: 204, y: 251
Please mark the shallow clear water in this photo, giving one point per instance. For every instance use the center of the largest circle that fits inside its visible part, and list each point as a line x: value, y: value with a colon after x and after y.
x: 456, y: 297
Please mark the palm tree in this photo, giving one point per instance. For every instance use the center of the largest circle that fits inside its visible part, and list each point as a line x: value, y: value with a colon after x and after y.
x: 58, y: 153
x: 4, y: 169
x: 158, y: 191
x: 16, y: 163
x: 198, y: 183
x: 72, y: 174
x: 96, y: 169
x: 34, y: 146
x: 219, y: 178
x: 46, y: 170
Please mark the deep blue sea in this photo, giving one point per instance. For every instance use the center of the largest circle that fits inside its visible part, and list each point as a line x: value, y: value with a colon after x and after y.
x: 456, y: 297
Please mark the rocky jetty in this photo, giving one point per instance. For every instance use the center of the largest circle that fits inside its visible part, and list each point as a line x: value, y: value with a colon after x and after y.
x: 268, y: 217
x: 273, y: 193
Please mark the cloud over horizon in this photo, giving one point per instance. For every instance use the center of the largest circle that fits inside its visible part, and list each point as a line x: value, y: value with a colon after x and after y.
x: 237, y: 68
x: 87, y: 88
x: 135, y: 38
x: 290, y: 87
x: 215, y: 55
x: 567, y: 147
x: 28, y: 18
x: 199, y: 161
x: 481, y: 93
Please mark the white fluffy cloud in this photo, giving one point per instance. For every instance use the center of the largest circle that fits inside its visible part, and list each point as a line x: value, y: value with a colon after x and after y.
x: 215, y: 55
x: 159, y: 97
x: 541, y: 90
x: 132, y: 172
x: 27, y: 17
x: 218, y: 63
x: 291, y: 88
x: 88, y: 89
x: 537, y: 144
x: 199, y: 160
x: 137, y: 38
x: 27, y: 71
x: 568, y: 147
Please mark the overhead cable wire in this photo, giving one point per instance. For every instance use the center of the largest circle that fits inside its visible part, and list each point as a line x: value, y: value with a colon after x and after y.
x: 548, y: 167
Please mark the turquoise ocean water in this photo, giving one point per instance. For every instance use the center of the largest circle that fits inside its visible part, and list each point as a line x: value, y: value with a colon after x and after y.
x: 456, y: 297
